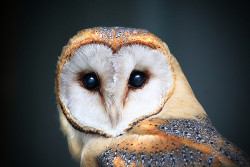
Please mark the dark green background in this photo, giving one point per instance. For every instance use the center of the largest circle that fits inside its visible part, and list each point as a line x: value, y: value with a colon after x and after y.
x: 209, y: 38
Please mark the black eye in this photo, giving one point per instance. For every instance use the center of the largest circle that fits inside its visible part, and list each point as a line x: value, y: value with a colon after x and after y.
x: 90, y: 81
x: 137, y: 79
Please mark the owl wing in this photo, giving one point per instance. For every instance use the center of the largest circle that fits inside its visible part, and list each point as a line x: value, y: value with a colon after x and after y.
x: 173, y: 142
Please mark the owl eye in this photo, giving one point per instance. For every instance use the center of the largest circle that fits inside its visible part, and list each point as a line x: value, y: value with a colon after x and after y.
x: 137, y: 79
x: 90, y: 81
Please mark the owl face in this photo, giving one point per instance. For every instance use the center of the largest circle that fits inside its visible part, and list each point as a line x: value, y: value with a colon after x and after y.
x: 108, y: 79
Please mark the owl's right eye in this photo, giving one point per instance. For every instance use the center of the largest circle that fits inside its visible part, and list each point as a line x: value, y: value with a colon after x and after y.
x: 90, y: 81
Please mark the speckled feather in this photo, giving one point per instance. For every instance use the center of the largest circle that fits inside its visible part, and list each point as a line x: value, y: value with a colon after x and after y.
x: 176, y: 142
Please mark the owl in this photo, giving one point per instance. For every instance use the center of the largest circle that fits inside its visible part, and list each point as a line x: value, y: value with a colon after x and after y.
x: 123, y: 100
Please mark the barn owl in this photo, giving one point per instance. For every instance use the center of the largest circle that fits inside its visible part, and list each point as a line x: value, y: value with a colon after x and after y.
x: 123, y: 100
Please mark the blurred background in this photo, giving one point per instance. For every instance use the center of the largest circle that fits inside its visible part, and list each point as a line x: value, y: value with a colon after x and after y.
x: 210, y: 39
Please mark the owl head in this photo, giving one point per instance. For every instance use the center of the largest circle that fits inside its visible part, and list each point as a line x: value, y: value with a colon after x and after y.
x: 124, y: 101
x: 111, y: 78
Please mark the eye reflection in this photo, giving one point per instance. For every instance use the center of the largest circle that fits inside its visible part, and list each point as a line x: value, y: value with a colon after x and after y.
x: 90, y: 81
x: 137, y: 79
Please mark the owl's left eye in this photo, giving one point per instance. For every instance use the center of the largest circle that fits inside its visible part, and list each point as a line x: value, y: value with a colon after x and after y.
x: 137, y: 79
x: 90, y: 81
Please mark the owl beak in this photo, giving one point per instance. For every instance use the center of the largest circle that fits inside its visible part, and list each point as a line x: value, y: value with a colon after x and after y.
x: 113, y: 98
x: 114, y: 115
